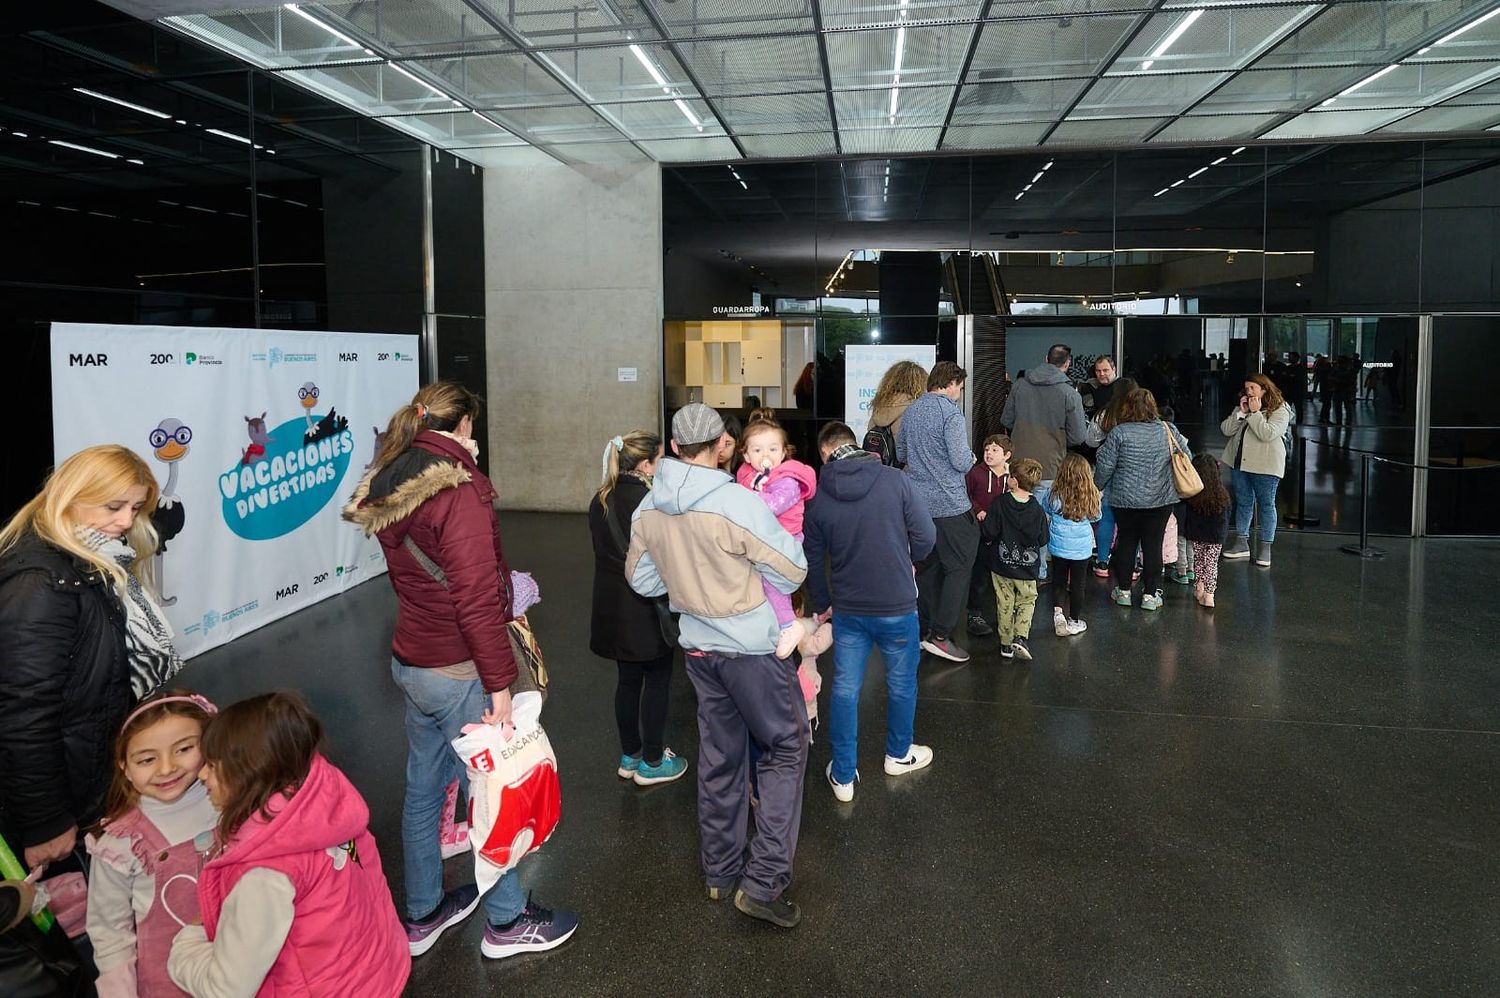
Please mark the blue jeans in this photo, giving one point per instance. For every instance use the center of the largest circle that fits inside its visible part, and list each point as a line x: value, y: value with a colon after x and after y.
x: 899, y: 641
x: 437, y: 708
x: 1104, y: 529
x: 1251, y: 490
x: 1041, y: 495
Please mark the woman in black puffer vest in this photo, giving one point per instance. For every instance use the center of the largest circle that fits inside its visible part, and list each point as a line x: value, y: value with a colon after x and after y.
x: 82, y: 639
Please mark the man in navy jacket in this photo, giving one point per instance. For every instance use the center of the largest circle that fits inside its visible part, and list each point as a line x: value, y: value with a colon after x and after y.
x: 868, y: 525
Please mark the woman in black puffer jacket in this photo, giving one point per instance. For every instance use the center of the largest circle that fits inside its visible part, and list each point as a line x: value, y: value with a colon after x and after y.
x: 626, y: 626
x: 82, y: 639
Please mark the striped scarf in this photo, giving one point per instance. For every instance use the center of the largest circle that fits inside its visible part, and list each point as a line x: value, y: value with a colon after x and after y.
x: 148, y: 636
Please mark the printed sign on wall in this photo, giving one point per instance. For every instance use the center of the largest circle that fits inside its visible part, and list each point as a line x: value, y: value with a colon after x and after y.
x: 257, y: 439
x: 863, y: 368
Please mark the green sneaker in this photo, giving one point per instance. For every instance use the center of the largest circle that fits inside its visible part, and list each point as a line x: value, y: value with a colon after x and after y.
x: 1151, y: 601
x: 1121, y: 596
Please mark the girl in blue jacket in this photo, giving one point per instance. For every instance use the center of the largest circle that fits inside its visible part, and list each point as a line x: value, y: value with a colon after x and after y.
x: 1072, y: 509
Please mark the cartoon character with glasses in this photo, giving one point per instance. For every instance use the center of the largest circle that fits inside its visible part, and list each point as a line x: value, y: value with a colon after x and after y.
x: 169, y: 445
x: 308, y: 393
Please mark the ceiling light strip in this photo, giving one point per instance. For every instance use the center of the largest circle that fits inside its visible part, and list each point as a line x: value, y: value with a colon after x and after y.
x: 335, y: 32
x: 87, y: 149
x: 666, y: 87
x: 896, y: 65
x: 1468, y: 27
x: 122, y: 103
x: 1171, y: 39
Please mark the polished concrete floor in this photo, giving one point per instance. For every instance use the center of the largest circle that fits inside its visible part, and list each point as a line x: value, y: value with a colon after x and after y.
x: 1296, y: 794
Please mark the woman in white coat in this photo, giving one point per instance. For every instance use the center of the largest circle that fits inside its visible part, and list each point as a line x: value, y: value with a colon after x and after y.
x: 1256, y: 452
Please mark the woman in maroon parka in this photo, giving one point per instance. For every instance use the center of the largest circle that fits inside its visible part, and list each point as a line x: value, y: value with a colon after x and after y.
x: 427, y: 501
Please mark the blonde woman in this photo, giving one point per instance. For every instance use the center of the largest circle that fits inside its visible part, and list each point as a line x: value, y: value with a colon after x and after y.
x: 625, y: 626
x: 82, y: 639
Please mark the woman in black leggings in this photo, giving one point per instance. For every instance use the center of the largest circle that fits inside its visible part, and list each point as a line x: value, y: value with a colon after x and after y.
x: 1135, y: 466
x: 625, y: 626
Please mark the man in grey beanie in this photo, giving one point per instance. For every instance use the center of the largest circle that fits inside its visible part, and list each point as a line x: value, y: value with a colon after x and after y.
x: 681, y: 541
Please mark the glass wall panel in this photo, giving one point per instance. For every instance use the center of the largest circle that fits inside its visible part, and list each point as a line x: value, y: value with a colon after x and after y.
x: 1189, y: 226
x: 1465, y: 429
x: 1343, y: 228
x: 1461, y: 211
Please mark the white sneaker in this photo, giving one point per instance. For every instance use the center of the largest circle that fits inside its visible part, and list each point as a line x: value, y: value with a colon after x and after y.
x: 1059, y: 622
x: 1076, y: 627
x: 917, y: 757
x: 844, y: 792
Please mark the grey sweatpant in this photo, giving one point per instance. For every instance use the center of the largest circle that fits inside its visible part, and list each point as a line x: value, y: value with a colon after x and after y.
x: 739, y: 698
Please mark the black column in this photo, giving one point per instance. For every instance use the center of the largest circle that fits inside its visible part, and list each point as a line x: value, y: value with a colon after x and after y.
x: 909, y: 288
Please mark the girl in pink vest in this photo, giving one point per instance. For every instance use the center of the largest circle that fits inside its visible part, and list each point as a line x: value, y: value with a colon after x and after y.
x: 158, y: 825
x: 294, y: 901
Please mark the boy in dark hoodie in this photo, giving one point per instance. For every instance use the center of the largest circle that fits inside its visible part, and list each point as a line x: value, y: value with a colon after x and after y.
x: 1015, y: 535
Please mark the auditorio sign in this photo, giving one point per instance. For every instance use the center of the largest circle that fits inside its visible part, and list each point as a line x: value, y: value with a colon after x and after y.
x: 257, y: 438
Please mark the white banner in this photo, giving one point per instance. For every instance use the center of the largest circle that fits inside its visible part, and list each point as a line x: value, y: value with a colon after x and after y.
x: 864, y: 366
x: 257, y: 438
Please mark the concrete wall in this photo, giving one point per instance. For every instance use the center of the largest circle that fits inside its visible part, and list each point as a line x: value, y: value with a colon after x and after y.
x: 573, y: 283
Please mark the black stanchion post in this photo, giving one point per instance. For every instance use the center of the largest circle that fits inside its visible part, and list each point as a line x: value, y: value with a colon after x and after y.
x: 1302, y: 519
x: 1363, y: 548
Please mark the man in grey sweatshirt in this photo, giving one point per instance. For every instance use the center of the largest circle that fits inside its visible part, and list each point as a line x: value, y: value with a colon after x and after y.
x: 706, y: 543
x: 1044, y: 415
x: 934, y: 446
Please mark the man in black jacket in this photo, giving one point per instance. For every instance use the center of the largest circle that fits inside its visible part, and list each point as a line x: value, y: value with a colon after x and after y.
x: 870, y: 525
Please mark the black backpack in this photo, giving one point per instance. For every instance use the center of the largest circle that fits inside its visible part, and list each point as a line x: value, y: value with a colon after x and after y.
x: 880, y: 441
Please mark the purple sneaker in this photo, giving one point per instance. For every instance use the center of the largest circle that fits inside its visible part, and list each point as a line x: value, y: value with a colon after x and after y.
x: 535, y: 930
x: 458, y: 904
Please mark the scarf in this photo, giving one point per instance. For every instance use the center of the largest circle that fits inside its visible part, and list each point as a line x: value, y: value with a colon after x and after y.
x: 467, y: 443
x: 148, y: 636
x: 846, y: 450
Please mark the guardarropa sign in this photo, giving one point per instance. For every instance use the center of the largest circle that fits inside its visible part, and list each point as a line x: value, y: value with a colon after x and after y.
x: 286, y: 475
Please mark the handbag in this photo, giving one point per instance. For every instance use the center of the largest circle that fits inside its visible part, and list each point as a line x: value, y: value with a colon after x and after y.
x: 531, y: 669
x: 666, y: 620
x: 1189, y: 483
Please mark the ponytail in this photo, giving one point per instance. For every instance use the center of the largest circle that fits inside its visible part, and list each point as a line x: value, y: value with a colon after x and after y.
x: 439, y: 406
x: 624, y: 454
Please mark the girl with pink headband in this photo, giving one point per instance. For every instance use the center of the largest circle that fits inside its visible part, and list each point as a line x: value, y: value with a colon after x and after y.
x: 157, y: 830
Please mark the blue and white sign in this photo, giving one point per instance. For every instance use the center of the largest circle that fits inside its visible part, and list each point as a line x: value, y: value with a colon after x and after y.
x: 864, y: 366
x: 257, y: 438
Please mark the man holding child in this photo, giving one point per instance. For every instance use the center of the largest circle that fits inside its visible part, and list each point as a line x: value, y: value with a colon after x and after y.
x: 706, y: 543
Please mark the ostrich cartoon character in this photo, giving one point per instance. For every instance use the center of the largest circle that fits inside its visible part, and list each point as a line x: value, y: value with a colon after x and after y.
x: 308, y: 393
x: 256, y: 452
x: 169, y: 444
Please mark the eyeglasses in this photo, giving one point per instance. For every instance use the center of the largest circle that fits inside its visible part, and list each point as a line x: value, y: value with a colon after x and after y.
x: 159, y: 436
x: 307, y: 393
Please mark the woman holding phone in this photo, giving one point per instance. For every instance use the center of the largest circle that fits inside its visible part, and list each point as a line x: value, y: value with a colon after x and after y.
x: 1256, y: 453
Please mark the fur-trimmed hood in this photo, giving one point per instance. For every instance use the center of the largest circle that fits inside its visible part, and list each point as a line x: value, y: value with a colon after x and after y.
x: 389, y: 496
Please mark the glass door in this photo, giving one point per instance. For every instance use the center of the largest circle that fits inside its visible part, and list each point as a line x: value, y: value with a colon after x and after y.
x: 1352, y: 382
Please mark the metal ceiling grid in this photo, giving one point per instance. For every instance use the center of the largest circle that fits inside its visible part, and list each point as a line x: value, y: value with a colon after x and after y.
x: 774, y: 78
